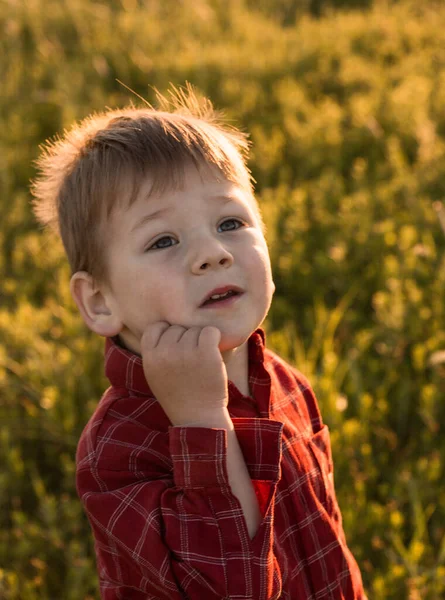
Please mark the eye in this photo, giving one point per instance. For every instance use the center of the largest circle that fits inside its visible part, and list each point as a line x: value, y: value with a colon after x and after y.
x: 231, y: 225
x: 164, y: 242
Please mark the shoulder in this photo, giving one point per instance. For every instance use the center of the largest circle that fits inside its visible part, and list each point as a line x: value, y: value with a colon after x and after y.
x: 293, y: 382
x: 126, y: 435
x: 285, y: 370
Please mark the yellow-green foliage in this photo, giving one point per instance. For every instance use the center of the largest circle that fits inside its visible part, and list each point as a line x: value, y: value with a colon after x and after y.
x: 347, y: 117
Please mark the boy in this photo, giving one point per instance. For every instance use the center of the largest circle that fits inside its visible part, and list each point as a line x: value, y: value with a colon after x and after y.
x: 206, y: 469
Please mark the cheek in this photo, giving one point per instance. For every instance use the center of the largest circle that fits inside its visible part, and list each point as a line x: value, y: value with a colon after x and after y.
x: 260, y: 277
x: 261, y: 267
x: 165, y: 296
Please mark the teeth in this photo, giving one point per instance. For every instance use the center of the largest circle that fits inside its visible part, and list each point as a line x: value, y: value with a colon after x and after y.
x: 217, y: 296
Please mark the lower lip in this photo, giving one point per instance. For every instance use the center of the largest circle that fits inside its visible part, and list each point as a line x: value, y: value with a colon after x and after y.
x: 223, y: 303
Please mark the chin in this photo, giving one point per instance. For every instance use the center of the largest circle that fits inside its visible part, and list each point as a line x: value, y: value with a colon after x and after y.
x: 230, y: 341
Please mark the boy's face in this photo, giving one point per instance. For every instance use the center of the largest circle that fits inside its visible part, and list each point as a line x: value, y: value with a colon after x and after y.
x: 203, y: 236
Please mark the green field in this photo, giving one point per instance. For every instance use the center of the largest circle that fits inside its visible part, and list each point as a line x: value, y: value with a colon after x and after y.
x: 345, y: 104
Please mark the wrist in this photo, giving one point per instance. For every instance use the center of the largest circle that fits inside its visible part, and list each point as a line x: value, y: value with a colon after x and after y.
x: 218, y: 418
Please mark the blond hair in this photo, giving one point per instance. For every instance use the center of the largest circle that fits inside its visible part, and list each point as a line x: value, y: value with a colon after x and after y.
x: 86, y: 173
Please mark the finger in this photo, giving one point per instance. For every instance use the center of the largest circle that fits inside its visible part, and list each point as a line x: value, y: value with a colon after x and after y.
x: 172, y: 335
x: 152, y: 334
x: 209, y: 337
x: 191, y: 337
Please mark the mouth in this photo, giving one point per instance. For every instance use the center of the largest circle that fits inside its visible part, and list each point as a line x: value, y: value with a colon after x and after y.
x: 221, y: 295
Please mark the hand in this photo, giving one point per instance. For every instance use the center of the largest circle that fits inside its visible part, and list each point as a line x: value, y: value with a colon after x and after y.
x: 185, y: 370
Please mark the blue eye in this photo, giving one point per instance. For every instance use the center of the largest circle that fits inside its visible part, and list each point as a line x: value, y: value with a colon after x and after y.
x: 231, y: 225
x: 163, y: 243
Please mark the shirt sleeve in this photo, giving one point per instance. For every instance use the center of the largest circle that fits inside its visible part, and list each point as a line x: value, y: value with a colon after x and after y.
x: 182, y: 534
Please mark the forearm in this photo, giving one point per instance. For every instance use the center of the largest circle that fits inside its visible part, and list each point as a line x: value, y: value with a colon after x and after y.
x: 239, y: 478
x: 241, y: 483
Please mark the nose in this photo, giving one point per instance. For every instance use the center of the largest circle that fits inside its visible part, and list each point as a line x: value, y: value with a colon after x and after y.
x: 210, y: 254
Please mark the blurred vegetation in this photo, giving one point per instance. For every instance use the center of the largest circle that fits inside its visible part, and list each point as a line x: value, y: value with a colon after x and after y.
x: 345, y: 103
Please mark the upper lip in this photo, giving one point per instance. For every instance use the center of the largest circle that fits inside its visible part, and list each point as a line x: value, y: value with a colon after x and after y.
x: 221, y: 290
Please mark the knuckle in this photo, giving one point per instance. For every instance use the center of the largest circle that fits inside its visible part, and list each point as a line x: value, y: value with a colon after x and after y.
x: 209, y: 333
x: 208, y: 328
x: 152, y: 333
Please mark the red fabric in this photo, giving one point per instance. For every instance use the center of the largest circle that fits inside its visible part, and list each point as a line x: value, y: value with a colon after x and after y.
x: 165, y: 522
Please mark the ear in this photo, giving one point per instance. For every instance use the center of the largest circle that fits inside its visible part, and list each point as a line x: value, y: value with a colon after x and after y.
x: 95, y: 305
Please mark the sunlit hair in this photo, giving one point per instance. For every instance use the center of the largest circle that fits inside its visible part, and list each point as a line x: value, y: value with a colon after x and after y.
x: 102, y: 161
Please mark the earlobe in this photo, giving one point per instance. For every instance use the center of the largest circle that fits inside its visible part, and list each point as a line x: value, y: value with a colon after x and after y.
x: 95, y: 305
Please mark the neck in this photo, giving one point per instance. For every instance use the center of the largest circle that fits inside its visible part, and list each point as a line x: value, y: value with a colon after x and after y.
x: 237, y: 361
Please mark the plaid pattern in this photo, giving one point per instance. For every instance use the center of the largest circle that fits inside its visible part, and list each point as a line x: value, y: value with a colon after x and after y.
x: 165, y: 522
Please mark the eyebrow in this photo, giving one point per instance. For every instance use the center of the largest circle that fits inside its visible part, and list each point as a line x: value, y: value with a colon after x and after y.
x: 158, y: 213
x: 150, y: 217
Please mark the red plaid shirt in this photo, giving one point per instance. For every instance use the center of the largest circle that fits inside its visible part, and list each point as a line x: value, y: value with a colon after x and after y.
x: 165, y: 521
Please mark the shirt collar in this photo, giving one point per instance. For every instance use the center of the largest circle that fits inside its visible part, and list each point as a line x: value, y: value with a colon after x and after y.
x: 124, y: 368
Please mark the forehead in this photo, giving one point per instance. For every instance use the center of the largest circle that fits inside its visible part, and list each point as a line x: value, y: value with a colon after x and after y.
x: 206, y: 184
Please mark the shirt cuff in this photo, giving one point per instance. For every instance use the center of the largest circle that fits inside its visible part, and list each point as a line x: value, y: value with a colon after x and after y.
x: 260, y: 442
x: 199, y: 454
